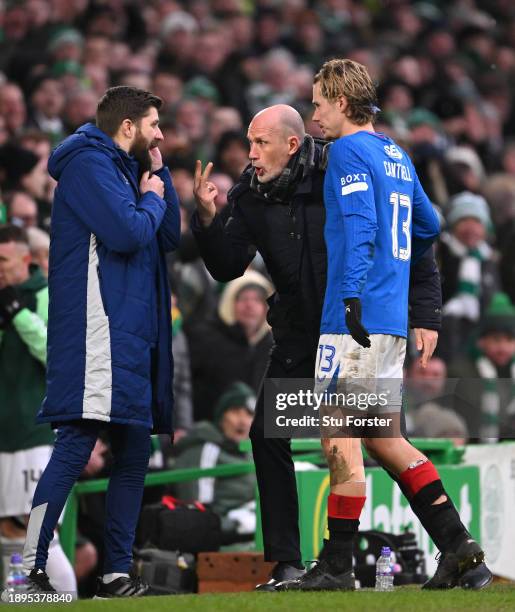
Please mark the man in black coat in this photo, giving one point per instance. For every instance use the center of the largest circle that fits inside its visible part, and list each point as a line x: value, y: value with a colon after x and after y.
x: 277, y: 209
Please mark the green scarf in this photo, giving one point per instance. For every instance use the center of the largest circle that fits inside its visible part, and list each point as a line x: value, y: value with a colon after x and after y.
x: 490, y: 399
x: 465, y: 303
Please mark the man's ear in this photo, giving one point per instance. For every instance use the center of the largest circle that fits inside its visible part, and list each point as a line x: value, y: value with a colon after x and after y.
x: 127, y: 128
x: 293, y: 144
x: 342, y: 104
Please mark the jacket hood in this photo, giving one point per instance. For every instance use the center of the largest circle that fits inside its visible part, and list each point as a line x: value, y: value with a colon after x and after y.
x: 231, y: 290
x: 251, y: 278
x: 88, y: 136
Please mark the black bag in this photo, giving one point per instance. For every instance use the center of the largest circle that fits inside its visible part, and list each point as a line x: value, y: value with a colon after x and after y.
x: 407, y: 554
x: 179, y: 526
x: 167, y: 572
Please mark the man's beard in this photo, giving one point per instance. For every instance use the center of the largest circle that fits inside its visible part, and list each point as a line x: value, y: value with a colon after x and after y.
x: 140, y: 151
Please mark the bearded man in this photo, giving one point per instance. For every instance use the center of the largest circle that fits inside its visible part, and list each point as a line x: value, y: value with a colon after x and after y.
x: 114, y: 217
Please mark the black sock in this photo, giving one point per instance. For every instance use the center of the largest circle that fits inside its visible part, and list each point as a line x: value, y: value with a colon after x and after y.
x: 339, y: 548
x: 441, y: 521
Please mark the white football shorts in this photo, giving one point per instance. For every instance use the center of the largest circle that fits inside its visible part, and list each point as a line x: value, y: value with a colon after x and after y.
x: 377, y: 369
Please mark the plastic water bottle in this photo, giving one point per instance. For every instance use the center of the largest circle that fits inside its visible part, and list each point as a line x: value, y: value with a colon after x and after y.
x: 384, y: 574
x: 16, y: 578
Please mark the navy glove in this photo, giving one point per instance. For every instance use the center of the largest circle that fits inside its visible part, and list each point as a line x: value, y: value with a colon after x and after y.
x: 11, y: 302
x: 353, y: 321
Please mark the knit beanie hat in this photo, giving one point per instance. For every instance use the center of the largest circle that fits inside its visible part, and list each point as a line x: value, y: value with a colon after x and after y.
x: 499, y: 317
x: 237, y: 395
x: 422, y: 116
x: 65, y: 36
x: 468, y: 204
x: 200, y: 87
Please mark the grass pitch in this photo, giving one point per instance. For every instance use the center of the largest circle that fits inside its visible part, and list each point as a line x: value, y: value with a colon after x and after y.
x: 497, y: 597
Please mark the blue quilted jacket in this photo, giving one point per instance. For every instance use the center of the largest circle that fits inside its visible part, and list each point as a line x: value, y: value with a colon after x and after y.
x: 109, y: 329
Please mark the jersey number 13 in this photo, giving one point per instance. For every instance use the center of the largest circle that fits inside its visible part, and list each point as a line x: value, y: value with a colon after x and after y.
x: 401, y: 225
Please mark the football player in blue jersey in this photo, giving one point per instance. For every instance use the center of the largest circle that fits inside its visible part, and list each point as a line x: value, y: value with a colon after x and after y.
x: 378, y: 219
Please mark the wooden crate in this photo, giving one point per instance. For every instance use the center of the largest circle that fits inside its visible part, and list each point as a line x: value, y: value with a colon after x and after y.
x: 231, y: 572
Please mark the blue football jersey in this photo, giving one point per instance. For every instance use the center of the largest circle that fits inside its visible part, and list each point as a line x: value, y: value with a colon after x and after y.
x: 378, y: 218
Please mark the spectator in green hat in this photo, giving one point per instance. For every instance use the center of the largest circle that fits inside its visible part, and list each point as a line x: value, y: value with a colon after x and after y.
x: 470, y: 270
x: 66, y: 45
x: 486, y: 394
x: 210, y: 444
x: 201, y: 87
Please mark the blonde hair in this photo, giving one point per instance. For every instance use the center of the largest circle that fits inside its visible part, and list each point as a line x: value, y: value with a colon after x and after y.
x: 344, y: 77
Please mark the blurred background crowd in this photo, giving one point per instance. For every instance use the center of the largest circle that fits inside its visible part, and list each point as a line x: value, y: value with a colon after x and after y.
x: 445, y: 71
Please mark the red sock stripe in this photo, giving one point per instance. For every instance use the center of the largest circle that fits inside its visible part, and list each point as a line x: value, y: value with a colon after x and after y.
x: 344, y: 507
x: 417, y: 478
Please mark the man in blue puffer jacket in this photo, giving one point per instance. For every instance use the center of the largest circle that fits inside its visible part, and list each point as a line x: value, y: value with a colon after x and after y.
x: 115, y: 215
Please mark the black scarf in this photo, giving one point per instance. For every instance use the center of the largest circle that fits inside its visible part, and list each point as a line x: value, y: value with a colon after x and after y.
x: 282, y: 188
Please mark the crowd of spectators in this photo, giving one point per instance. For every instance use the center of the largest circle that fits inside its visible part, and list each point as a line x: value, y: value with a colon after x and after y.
x: 445, y: 72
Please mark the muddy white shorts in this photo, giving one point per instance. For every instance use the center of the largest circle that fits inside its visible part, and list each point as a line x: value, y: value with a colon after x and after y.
x: 377, y: 369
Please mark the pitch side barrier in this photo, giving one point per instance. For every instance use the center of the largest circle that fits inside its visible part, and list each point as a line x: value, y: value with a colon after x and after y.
x: 440, y: 451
